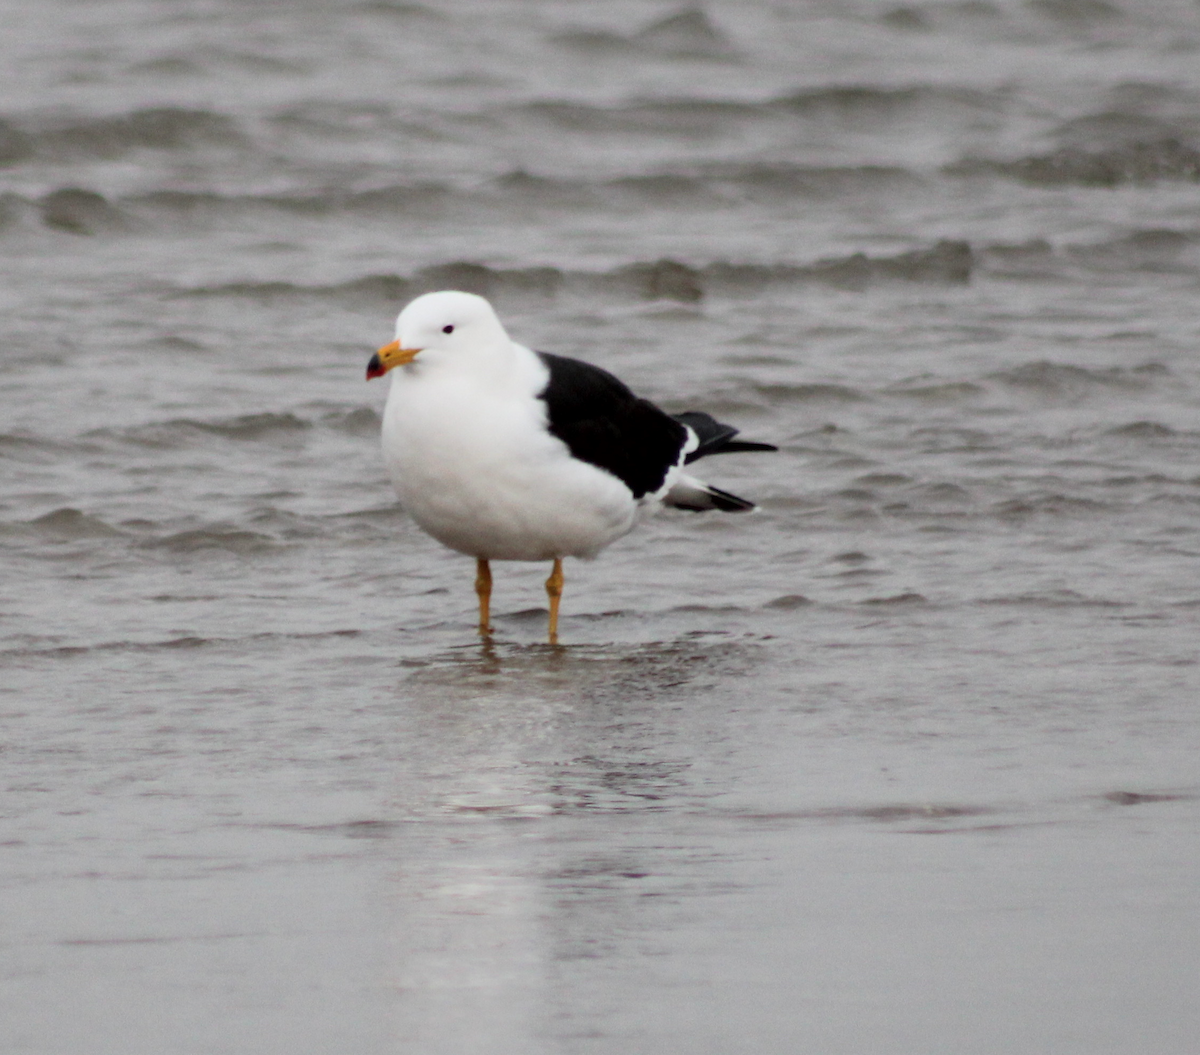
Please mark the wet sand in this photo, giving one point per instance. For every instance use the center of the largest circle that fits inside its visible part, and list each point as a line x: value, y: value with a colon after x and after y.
x: 729, y: 841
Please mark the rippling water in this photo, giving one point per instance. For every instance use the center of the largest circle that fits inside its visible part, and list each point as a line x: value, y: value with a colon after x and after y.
x: 907, y: 761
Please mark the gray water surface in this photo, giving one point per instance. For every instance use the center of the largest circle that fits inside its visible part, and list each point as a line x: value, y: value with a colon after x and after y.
x: 905, y: 761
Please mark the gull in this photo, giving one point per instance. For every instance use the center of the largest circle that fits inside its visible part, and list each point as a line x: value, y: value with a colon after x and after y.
x: 504, y: 453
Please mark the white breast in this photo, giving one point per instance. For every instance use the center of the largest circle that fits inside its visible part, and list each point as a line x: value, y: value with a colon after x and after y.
x: 475, y: 467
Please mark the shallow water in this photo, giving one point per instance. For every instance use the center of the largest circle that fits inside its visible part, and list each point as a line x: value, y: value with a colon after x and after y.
x: 904, y: 761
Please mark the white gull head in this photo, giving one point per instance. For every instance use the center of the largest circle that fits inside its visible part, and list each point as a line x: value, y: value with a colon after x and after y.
x: 447, y: 330
x: 450, y: 323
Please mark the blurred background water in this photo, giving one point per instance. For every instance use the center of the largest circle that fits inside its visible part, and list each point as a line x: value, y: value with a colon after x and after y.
x: 907, y: 761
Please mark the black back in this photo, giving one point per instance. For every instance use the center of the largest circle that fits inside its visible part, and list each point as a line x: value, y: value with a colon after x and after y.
x: 604, y: 424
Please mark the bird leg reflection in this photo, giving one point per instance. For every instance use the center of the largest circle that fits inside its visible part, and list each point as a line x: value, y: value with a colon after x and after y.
x: 483, y: 587
x: 554, y: 586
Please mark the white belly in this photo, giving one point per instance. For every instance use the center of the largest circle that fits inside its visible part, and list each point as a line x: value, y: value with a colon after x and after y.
x: 482, y: 476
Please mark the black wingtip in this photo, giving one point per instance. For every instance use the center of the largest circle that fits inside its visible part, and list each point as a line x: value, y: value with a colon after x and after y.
x: 728, y: 503
x: 734, y: 446
x: 715, y: 437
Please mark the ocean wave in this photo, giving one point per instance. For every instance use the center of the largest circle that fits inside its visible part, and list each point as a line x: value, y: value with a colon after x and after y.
x: 43, y: 648
x: 1027, y: 22
x: 789, y: 602
x: 855, y: 103
x: 1043, y: 380
x: 946, y: 262
x: 1069, y: 381
x: 359, y: 421
x: 13, y: 210
x: 1042, y: 496
x: 62, y: 525
x: 670, y: 117
x: 216, y: 537
x: 1156, y: 250
x: 1076, y: 12
x: 73, y: 210
x: 400, y: 9
x: 1142, y: 430
x: 1138, y: 798
x: 282, y: 429
x: 780, y: 179
x: 781, y: 394
x: 24, y: 447
x: 180, y: 432
x: 179, y: 130
x: 899, y: 600
x: 262, y: 528
x: 688, y: 33
x: 1051, y: 504
x: 79, y: 211
x: 15, y: 145
x: 1054, y: 598
x: 1128, y: 124
x: 937, y: 392
x: 753, y: 180
x: 252, y: 426
x: 160, y: 128
x: 196, y: 205
x: 1128, y: 163
x: 849, y: 105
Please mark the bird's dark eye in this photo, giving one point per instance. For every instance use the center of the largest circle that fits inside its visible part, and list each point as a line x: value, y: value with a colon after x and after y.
x: 447, y: 329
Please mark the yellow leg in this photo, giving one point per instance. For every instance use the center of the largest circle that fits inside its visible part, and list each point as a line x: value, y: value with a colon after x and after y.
x: 483, y: 587
x: 554, y: 586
